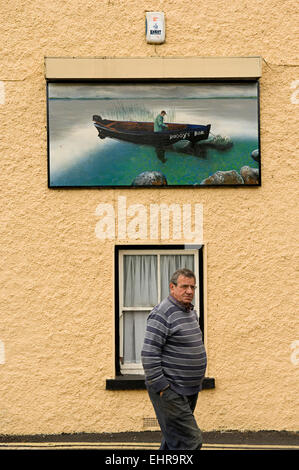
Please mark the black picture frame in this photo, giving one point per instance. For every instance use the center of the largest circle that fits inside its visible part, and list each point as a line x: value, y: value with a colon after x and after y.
x: 84, y: 170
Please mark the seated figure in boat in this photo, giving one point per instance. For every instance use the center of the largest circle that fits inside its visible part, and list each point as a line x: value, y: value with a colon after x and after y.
x: 159, y: 125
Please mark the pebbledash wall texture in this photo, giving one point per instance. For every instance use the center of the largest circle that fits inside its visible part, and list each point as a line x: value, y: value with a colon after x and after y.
x: 57, y: 277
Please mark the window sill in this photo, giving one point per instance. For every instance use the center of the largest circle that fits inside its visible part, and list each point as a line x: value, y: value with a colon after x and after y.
x: 136, y: 382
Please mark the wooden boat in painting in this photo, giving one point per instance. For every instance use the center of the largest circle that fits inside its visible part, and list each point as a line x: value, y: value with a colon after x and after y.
x: 143, y: 132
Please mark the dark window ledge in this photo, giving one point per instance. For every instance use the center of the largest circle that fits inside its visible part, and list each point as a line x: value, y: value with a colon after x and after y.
x: 136, y: 382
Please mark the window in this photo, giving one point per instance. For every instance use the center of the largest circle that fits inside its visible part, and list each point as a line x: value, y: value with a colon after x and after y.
x: 143, y: 281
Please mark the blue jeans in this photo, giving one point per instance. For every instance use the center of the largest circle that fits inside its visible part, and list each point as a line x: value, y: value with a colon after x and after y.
x: 175, y: 416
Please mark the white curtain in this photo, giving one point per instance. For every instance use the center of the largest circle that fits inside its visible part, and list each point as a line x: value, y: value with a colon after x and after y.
x: 134, y: 329
x: 141, y: 290
x: 140, y: 280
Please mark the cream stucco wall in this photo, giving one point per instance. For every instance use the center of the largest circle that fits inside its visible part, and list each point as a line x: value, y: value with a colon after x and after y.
x: 57, y: 313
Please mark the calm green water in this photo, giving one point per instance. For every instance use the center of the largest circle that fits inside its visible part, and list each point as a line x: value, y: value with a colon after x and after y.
x: 77, y: 157
x: 108, y: 169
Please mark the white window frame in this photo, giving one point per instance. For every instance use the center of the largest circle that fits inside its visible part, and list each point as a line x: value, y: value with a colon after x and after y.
x: 137, y: 369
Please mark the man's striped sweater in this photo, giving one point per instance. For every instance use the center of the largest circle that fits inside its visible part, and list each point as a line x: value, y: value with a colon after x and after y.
x: 173, y: 352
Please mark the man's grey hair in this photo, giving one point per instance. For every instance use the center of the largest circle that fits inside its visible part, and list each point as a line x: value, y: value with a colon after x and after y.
x: 181, y: 272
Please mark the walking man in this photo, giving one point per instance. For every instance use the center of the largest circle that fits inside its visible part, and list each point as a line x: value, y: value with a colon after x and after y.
x: 174, y: 362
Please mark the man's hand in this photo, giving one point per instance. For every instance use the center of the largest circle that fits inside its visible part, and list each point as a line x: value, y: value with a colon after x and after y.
x: 163, y: 390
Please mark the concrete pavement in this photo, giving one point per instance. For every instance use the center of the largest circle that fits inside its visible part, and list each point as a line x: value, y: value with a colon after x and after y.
x: 147, y: 440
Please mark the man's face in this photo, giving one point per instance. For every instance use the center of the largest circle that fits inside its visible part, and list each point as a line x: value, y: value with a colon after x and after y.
x: 184, y: 290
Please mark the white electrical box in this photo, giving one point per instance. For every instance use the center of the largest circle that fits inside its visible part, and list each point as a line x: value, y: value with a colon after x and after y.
x: 155, y: 27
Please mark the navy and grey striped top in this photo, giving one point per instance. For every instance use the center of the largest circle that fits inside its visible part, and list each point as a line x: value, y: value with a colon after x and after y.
x: 173, y: 352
